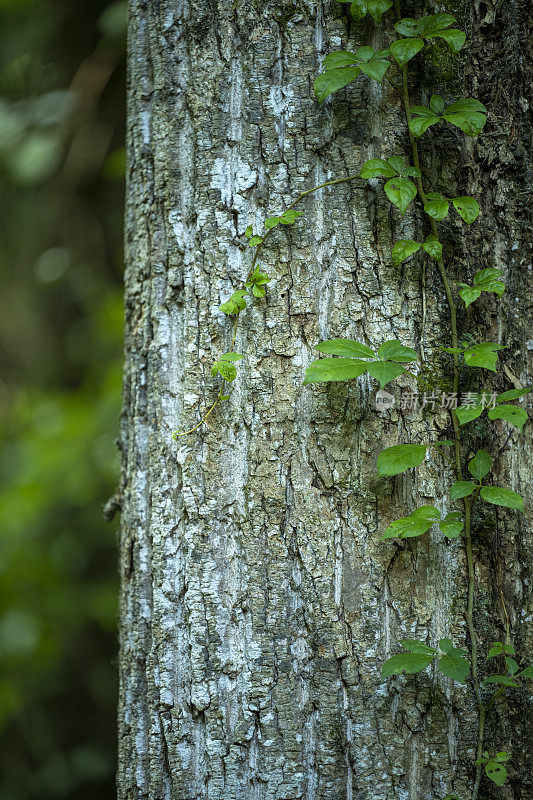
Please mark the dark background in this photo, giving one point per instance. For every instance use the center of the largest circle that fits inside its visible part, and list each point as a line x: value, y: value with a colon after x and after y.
x: 62, y: 87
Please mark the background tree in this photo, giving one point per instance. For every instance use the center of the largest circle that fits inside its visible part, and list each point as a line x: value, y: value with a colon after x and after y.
x: 258, y: 604
x: 62, y: 87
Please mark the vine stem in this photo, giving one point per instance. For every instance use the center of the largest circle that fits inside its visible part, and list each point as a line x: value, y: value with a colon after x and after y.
x: 220, y: 394
x: 469, y: 615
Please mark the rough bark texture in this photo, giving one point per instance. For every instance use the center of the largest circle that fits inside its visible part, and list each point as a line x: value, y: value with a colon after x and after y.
x: 258, y: 603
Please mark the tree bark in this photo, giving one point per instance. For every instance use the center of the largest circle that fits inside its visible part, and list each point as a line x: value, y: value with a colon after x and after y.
x: 258, y: 603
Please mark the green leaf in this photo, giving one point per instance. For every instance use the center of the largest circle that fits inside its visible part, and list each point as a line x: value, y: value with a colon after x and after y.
x: 289, y: 216
x: 364, y: 53
x: 384, y: 371
x: 393, y: 350
x: 512, y: 394
x: 236, y: 302
x: 436, y: 104
x: 465, y: 105
x: 227, y: 370
x: 446, y: 645
x: 412, y: 172
x: 496, y: 773
x: 461, y: 489
x: 503, y: 680
x: 437, y: 206
x: 498, y: 649
x: 468, y: 413
x: 376, y: 8
x: 406, y: 662
x: 400, y: 192
x: 340, y: 58
x: 397, y: 163
x: 413, y: 645
x: 423, y: 119
x: 249, y: 232
x: 502, y: 497
x: 454, y: 665
x: 345, y: 347
x: 404, y: 249
x: 430, y: 24
x: 377, y: 167
x: 454, y: 38
x: 255, y: 240
x: 358, y: 9
x: 333, y: 79
x: 256, y: 282
x: 480, y: 465
x: 451, y: 525
x: 512, y: 666
x: 513, y: 414
x: 400, y: 457
x: 433, y: 247
x: 469, y: 293
x: 404, y: 50
x: 527, y: 672
x: 416, y: 524
x: 334, y: 369
x: 224, y: 367
x: 490, y: 280
x: 483, y: 355
x: 271, y: 222
x: 467, y: 208
x: 375, y: 68
x: 469, y: 115
x: 407, y: 27
x: 502, y: 756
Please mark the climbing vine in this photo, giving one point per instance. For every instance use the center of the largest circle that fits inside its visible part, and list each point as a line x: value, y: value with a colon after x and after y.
x: 404, y: 185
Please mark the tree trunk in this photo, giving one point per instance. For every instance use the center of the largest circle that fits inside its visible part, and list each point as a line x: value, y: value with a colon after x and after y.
x: 258, y: 603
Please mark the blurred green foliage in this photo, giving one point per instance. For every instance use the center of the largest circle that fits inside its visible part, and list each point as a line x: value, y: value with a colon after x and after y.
x: 62, y: 87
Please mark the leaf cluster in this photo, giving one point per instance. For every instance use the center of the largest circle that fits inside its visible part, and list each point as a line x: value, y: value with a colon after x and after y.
x: 483, y: 354
x: 513, y: 671
x: 485, y: 280
x: 437, y: 206
x: 224, y: 366
x: 406, y: 248
x: 451, y: 660
x: 421, y: 520
x: 357, y: 358
x: 399, y: 189
x: 376, y: 8
x: 467, y: 114
x: 428, y: 27
x: 287, y: 218
x: 257, y: 281
x: 514, y: 415
x: 343, y: 67
x: 493, y: 766
x: 479, y: 467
